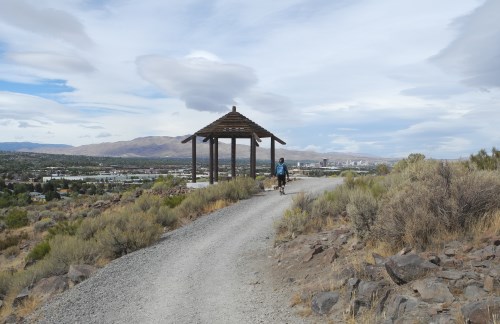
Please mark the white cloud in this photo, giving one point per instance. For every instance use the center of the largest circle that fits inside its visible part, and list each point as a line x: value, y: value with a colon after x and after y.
x: 51, y: 62
x: 203, y: 84
x: 301, y: 69
x: 44, y: 21
x: 475, y: 52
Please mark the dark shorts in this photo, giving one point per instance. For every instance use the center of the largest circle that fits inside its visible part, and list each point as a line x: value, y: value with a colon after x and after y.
x: 281, y: 180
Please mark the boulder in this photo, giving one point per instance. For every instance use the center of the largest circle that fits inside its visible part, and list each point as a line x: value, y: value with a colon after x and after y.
x: 474, y: 293
x: 79, y: 272
x: 330, y: 255
x: 399, y: 305
x: 323, y: 302
x: 432, y: 290
x: 405, y: 268
x: 48, y: 287
x: 482, y: 312
x: 369, y: 294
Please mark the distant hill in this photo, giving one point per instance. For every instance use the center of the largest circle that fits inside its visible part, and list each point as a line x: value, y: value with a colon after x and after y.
x: 29, y: 147
x: 165, y: 146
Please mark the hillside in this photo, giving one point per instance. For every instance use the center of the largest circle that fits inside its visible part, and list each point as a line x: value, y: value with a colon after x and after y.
x: 162, y: 146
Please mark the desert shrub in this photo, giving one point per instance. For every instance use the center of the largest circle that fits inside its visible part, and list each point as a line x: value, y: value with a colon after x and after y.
x: 432, y: 200
x: 173, y: 201
x: 331, y: 203
x: 163, y: 184
x: 39, y: 251
x: 66, y: 250
x: 44, y: 224
x: 146, y: 202
x: 12, y: 251
x: 58, y: 215
x: 11, y: 240
x: 89, y: 227
x: 165, y: 216
x: 125, y: 233
x: 362, y: 210
x: 194, y: 204
x: 348, y: 176
x: 5, y: 281
x: 303, y: 202
x: 477, y: 195
x: 130, y: 195
x: 94, y: 212
x: 293, y: 223
x: 483, y: 161
x: 64, y: 228
x: 16, y: 218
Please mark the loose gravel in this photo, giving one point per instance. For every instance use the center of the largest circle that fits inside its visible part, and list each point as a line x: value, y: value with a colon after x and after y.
x: 214, y: 270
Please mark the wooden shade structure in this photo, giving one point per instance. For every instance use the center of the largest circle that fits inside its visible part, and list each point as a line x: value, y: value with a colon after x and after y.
x: 233, y: 125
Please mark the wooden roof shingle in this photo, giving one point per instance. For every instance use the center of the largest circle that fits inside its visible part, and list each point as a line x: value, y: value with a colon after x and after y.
x: 234, y: 125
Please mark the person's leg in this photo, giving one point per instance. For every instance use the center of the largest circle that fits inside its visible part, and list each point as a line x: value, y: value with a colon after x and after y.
x: 280, y: 182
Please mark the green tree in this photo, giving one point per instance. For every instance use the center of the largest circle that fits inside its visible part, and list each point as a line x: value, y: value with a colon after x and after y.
x: 483, y: 161
x: 16, y: 218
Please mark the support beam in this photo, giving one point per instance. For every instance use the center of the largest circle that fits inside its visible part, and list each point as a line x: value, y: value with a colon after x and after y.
x: 211, y: 162
x: 252, y: 158
x: 273, y: 156
x: 216, y: 159
x: 193, y: 158
x: 233, y: 157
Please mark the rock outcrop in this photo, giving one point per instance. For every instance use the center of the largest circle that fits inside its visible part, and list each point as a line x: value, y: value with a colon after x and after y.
x: 331, y: 274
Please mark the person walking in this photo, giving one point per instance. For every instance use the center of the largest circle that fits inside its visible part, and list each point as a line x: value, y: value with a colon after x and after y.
x: 282, y: 174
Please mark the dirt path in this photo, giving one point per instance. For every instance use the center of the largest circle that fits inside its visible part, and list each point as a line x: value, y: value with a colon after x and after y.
x: 211, y: 271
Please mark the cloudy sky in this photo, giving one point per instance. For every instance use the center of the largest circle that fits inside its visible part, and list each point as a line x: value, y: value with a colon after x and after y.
x: 381, y: 77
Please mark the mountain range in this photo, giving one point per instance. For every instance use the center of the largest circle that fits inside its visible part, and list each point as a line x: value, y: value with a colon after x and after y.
x: 166, y: 146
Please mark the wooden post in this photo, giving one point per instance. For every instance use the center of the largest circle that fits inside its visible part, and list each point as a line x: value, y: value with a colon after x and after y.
x: 233, y: 157
x: 273, y: 156
x: 193, y: 159
x: 252, y: 157
x: 216, y: 159
x: 211, y: 161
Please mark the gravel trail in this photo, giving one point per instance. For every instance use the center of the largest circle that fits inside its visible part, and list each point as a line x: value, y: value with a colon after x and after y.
x: 213, y: 270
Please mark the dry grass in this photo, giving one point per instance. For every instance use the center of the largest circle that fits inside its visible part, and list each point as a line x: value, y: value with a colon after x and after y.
x: 28, y: 306
x: 216, y: 205
x: 295, y: 300
x: 488, y: 226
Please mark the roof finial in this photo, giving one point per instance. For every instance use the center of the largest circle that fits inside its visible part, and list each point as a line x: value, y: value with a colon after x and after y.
x: 234, y: 108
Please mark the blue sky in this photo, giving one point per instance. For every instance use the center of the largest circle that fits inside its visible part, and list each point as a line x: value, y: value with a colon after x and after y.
x: 386, y: 78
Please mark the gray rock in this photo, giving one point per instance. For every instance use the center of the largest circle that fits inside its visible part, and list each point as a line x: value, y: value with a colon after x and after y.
x: 378, y: 259
x: 369, y: 291
x: 431, y: 290
x: 398, y: 305
x: 486, y: 253
x: 48, y: 287
x: 369, y: 294
x: 22, y: 296
x: 450, y: 274
x: 474, y: 293
x: 405, y: 268
x: 482, y: 312
x: 323, y: 302
x: 79, y: 272
x: 489, y: 283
